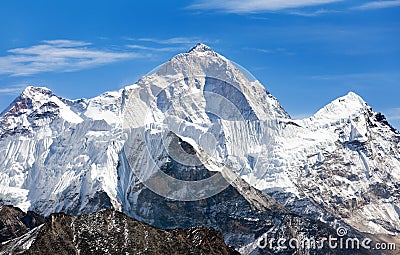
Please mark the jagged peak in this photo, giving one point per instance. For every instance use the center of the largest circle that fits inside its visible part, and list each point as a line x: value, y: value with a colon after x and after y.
x: 28, y: 99
x: 34, y: 98
x: 202, y: 61
x: 200, y: 47
x: 31, y: 91
x: 195, y: 61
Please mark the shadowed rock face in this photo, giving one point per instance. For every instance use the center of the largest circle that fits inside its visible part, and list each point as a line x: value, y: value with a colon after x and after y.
x: 242, y: 213
x: 240, y: 220
x: 14, y: 222
x: 111, y: 232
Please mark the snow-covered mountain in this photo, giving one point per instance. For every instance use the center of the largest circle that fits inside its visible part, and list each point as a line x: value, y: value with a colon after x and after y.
x: 201, y: 120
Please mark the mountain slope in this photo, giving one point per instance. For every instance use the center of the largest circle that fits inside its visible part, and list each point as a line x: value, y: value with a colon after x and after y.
x: 182, y: 140
x: 110, y: 232
x: 346, y: 160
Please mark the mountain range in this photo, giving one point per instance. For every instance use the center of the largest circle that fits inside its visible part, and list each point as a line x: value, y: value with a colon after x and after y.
x: 200, y: 142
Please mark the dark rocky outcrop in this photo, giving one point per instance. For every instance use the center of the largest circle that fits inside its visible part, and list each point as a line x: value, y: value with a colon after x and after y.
x: 111, y: 232
x: 14, y: 222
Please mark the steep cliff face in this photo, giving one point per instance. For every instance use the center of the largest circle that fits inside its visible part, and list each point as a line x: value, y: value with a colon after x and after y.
x: 198, y: 142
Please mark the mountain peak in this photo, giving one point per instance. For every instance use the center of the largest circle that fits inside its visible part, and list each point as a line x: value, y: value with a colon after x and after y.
x: 41, y: 102
x: 219, y: 76
x: 352, y: 97
x: 31, y: 91
x: 200, y: 47
x: 342, y: 107
x: 351, y: 102
x: 29, y: 98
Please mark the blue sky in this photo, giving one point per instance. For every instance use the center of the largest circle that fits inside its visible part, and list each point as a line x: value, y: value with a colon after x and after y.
x: 305, y: 52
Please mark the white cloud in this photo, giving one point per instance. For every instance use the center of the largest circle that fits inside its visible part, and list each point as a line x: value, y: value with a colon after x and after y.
x: 58, y: 56
x: 378, y: 5
x: 254, y: 6
x: 313, y: 13
x: 12, y: 90
x: 67, y: 43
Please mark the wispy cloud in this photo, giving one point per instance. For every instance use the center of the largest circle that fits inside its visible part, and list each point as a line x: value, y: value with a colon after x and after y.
x: 174, y: 40
x: 162, y: 49
x: 174, y: 44
x: 272, y: 51
x: 58, y: 56
x: 254, y: 6
x: 294, y: 7
x: 171, y: 42
x: 378, y: 5
x: 66, y: 43
x: 266, y: 51
x: 393, y: 114
x: 12, y: 90
x: 313, y: 13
